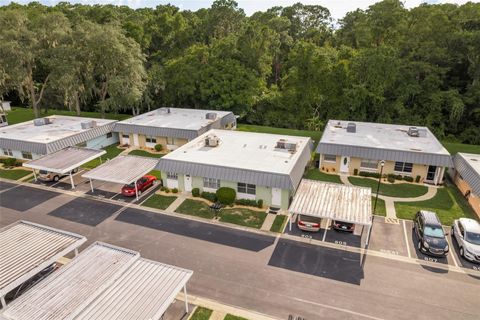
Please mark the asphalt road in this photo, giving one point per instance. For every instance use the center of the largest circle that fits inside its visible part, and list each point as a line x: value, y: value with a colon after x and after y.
x: 270, y: 275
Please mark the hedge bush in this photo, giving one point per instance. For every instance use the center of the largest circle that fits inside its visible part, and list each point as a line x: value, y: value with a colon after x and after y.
x: 210, y: 196
x: 195, y: 192
x: 260, y: 203
x: 391, y: 178
x: 369, y: 174
x: 355, y: 172
x: 246, y: 202
x: 226, y: 195
x: 10, y: 162
x: 158, y: 147
x: 174, y: 190
x: 408, y: 178
x: 417, y: 179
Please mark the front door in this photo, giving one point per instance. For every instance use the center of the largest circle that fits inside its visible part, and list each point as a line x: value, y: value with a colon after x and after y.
x: 135, y: 140
x: 188, y: 183
x: 431, y: 173
x: 344, y: 164
x: 276, y: 197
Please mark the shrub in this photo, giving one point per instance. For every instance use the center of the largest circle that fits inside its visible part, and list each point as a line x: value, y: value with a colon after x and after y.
x: 195, y: 192
x: 174, y: 190
x: 210, y: 196
x: 355, y: 172
x: 391, y: 176
x: 408, y: 178
x: 399, y: 177
x: 226, y: 195
x: 369, y: 174
x: 260, y: 203
x: 10, y: 162
x: 166, y: 190
x: 391, y: 179
x: 158, y: 147
x: 246, y: 202
x: 417, y: 179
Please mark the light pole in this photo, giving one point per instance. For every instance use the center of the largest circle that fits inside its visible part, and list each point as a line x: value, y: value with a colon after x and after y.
x: 382, y: 164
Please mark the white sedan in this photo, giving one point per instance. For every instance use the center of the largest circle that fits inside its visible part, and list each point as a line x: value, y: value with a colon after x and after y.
x: 467, y: 234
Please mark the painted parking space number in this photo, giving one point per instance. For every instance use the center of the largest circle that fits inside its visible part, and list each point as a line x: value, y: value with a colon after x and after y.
x: 430, y: 259
x: 343, y: 243
x: 307, y: 236
x: 394, y: 252
x: 476, y: 268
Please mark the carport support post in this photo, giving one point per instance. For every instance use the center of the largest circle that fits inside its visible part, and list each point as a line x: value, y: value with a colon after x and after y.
x: 136, y: 189
x: 186, y: 298
x: 368, y: 235
x: 290, y: 222
x: 34, y: 175
x: 71, y: 180
x: 91, y: 184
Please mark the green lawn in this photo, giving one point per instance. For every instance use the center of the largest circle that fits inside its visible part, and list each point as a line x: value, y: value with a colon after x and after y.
x: 195, y: 208
x: 144, y: 153
x: 454, y: 148
x: 316, y: 174
x: 243, y: 217
x: 201, y: 314
x: 381, y: 210
x: 232, y: 317
x: 278, y: 223
x: 401, y: 190
x: 18, y: 115
x: 14, y: 174
x: 159, y: 201
x: 315, y: 135
x: 112, y: 152
x: 448, y: 203
x: 156, y: 173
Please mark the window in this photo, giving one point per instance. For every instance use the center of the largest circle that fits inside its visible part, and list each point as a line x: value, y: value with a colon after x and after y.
x: 172, y: 175
x: 170, y: 140
x: 125, y: 136
x: 403, y: 167
x: 82, y: 144
x: 4, y: 119
x: 8, y: 152
x: 150, y: 139
x: 109, y: 135
x: 27, y: 155
x: 369, y: 164
x: 245, y: 188
x: 329, y: 158
x: 211, y: 183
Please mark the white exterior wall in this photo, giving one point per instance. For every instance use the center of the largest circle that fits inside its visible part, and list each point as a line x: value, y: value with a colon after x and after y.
x: 18, y: 155
x: 102, y: 141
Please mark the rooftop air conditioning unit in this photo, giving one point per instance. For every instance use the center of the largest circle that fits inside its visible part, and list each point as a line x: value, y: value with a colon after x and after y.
x: 211, y: 116
x: 212, y: 141
x: 42, y: 121
x: 351, y: 127
x: 413, y: 132
x: 286, y: 145
x: 88, y: 124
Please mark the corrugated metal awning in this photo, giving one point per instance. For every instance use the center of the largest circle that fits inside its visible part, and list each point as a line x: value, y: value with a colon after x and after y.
x: 333, y: 201
x: 122, y: 169
x: 27, y: 248
x: 65, y: 160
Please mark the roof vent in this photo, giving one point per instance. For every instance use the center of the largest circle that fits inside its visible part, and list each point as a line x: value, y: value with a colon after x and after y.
x: 286, y: 145
x: 88, y: 124
x: 338, y: 125
x: 164, y: 110
x: 42, y: 121
x: 413, y: 132
x: 211, y: 115
x: 351, y: 127
x: 212, y: 141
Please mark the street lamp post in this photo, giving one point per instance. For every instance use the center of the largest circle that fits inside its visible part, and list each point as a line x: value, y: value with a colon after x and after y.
x: 382, y: 164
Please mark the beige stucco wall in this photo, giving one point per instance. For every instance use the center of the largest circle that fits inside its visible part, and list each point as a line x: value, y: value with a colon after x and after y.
x: 330, y: 166
x: 180, y: 142
x: 142, y: 141
x: 473, y: 200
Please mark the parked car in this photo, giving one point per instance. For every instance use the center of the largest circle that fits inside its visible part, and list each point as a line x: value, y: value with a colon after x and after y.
x: 467, y: 234
x: 430, y: 235
x: 48, y: 176
x: 143, y: 184
x: 343, y: 226
x: 308, y: 223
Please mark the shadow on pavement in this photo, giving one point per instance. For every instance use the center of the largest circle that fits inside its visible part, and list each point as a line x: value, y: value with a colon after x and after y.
x: 198, y: 230
x: 85, y: 211
x: 16, y: 199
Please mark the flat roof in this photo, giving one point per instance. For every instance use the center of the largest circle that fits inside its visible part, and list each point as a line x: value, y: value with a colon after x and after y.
x: 65, y: 160
x: 123, y: 169
x: 26, y: 248
x: 149, y: 287
x: 176, y: 118
x: 333, y: 201
x: 61, y: 127
x: 67, y: 291
x: 245, y: 150
x: 468, y: 165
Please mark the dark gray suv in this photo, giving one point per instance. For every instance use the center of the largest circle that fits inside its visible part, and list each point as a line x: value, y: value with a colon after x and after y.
x: 430, y: 235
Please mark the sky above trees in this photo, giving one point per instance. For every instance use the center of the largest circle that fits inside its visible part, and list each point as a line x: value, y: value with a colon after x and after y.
x: 338, y: 8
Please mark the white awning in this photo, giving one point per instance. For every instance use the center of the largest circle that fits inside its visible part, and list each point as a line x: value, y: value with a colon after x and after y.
x: 65, y: 160
x: 333, y: 201
x: 27, y: 248
x: 122, y: 169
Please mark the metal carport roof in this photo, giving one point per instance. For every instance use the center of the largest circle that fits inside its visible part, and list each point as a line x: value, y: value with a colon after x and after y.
x: 122, y: 169
x: 333, y: 201
x: 65, y: 160
x: 27, y: 248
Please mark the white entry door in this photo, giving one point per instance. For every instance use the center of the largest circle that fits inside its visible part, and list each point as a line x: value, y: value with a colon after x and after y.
x: 135, y: 140
x: 345, y: 164
x: 276, y: 197
x: 188, y: 183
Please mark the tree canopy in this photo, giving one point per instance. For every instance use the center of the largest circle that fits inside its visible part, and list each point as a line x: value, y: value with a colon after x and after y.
x: 292, y: 67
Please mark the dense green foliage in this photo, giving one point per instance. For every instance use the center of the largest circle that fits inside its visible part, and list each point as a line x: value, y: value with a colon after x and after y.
x: 289, y: 67
x: 159, y: 202
x: 226, y: 195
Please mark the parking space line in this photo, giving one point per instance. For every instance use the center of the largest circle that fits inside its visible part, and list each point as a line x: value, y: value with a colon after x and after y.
x: 406, y: 239
x: 326, y: 229
x: 450, y: 252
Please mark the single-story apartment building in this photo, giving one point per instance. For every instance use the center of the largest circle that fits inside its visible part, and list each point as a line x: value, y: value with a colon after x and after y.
x: 256, y: 165
x: 467, y: 177
x: 348, y: 147
x: 32, y: 139
x: 171, y: 127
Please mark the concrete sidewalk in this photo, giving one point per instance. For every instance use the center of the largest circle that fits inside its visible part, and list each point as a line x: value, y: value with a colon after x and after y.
x: 175, y: 204
x: 267, y: 224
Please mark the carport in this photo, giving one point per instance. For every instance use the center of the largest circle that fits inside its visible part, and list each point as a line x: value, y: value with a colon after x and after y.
x: 333, y: 201
x: 64, y: 161
x: 28, y: 248
x: 122, y: 170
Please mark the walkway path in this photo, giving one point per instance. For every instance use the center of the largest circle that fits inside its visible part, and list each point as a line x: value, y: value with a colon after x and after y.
x: 267, y: 224
x: 175, y: 204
